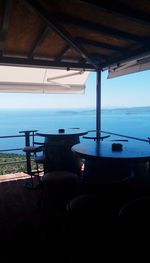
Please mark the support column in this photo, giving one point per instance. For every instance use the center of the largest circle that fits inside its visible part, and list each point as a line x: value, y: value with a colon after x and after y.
x: 98, y: 105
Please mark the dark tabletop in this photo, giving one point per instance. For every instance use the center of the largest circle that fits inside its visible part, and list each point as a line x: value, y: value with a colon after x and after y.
x: 63, y: 132
x: 103, y: 149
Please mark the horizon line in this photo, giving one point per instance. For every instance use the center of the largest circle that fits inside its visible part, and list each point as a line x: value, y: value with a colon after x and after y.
x: 77, y: 108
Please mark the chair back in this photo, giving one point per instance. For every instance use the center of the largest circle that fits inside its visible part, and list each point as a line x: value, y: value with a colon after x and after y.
x: 28, y: 134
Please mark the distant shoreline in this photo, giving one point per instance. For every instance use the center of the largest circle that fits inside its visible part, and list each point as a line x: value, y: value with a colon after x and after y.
x: 122, y: 108
x: 74, y: 109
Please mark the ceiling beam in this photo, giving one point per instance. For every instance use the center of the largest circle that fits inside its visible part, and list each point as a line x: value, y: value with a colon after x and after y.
x: 101, y: 29
x: 121, y: 10
x: 8, y: 5
x: 54, y: 25
x: 62, y: 53
x: 39, y: 40
x: 44, y: 63
x: 100, y: 44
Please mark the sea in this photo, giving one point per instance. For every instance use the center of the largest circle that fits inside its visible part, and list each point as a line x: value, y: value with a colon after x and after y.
x: 133, y: 122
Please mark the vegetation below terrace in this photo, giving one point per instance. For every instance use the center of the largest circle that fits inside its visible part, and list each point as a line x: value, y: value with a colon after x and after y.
x: 12, y: 163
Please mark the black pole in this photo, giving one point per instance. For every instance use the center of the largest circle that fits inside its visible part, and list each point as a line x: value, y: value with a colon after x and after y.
x: 98, y: 105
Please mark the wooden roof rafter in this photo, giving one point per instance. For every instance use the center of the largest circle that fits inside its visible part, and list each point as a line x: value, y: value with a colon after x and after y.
x: 62, y: 53
x: 39, y: 41
x: 79, y: 35
x: 7, y: 11
x: 54, y: 25
x: 99, y: 28
x: 122, y: 10
x: 100, y: 44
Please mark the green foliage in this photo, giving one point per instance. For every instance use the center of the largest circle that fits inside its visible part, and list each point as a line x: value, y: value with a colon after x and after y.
x: 12, y: 163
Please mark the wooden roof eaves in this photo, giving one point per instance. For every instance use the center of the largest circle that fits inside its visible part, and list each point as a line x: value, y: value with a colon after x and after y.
x: 52, y: 23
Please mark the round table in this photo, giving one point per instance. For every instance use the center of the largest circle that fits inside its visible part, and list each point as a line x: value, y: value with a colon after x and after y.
x: 104, y: 163
x: 58, y: 152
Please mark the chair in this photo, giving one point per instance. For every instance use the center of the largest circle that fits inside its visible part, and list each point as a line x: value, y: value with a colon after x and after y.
x: 136, y: 213
x: 34, y: 161
x: 134, y: 223
x: 58, y: 187
x: 90, y: 227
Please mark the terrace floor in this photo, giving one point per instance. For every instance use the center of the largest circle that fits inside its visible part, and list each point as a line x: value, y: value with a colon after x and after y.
x: 26, y: 232
x: 30, y: 232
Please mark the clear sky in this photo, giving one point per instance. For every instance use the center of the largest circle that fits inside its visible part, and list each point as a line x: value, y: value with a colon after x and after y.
x: 125, y: 91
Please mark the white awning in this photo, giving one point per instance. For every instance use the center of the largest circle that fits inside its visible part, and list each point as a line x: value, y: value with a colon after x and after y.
x: 41, y: 80
x: 129, y: 67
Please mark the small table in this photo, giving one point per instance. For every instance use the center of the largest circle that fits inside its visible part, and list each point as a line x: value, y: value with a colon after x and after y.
x: 58, y: 152
x: 106, y: 164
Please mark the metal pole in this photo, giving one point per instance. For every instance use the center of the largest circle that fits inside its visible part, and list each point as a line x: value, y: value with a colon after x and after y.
x: 98, y: 105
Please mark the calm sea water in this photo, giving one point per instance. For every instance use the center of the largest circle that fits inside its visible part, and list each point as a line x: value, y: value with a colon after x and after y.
x: 128, y: 121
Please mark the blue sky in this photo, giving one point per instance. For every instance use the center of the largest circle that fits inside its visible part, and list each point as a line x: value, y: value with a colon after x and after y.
x: 131, y: 90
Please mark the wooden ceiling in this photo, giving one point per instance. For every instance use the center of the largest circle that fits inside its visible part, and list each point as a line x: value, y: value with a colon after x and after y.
x: 73, y: 34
